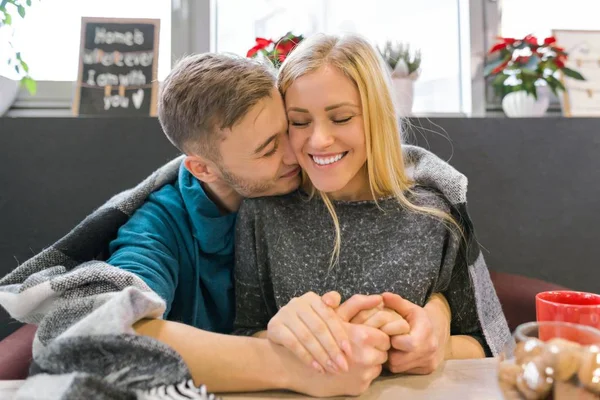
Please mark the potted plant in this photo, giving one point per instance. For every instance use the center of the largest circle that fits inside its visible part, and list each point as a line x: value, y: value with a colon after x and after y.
x: 405, y: 67
x: 275, y: 51
x: 9, y: 9
x: 523, y: 70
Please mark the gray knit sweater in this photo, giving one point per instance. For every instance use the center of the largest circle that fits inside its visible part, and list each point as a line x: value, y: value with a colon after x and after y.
x: 284, y: 244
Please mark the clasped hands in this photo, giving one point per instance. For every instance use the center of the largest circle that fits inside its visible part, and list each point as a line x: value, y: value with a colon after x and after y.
x: 365, y: 333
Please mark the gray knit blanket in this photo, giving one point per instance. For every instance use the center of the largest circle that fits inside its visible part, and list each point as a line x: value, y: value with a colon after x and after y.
x: 85, y: 346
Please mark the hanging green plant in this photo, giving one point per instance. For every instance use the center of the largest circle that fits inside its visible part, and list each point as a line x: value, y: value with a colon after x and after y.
x: 9, y: 10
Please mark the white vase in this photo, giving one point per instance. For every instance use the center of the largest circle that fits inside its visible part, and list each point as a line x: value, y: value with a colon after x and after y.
x: 522, y: 104
x: 8, y: 93
x: 404, y: 92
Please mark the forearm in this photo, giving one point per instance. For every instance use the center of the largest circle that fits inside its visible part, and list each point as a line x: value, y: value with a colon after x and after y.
x: 221, y: 362
x: 456, y: 346
x: 439, y: 312
x: 463, y: 347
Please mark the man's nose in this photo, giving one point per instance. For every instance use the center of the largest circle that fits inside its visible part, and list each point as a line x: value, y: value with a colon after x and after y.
x: 289, y: 158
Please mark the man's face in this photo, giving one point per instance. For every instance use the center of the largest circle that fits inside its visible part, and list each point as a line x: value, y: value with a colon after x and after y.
x: 256, y: 157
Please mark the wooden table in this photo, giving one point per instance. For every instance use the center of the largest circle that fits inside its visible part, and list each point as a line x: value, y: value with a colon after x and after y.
x: 460, y: 380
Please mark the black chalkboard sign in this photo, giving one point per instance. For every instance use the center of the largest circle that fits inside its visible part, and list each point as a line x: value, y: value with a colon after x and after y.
x: 118, y: 61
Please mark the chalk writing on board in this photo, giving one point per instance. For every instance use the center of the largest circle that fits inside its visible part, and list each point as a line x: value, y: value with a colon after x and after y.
x: 118, y: 63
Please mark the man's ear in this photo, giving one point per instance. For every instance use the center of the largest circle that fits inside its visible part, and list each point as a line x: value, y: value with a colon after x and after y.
x: 201, y: 168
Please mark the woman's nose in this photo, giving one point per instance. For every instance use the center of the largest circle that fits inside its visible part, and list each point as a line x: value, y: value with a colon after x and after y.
x: 321, y: 138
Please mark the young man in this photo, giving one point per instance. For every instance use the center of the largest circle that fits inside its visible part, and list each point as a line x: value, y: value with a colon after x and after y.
x: 226, y: 114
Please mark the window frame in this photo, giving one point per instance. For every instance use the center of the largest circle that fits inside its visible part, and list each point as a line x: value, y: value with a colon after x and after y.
x: 193, y: 24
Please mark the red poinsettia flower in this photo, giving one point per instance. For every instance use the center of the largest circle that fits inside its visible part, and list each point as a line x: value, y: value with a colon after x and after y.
x: 503, y: 44
x: 261, y: 44
x: 284, y: 47
x: 559, y: 50
x: 531, y: 40
x: 549, y: 40
x: 522, y: 59
x: 276, y: 51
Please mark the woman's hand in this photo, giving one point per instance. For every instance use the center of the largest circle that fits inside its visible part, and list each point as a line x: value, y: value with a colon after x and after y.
x: 309, y: 326
x: 423, y: 348
x: 385, y: 319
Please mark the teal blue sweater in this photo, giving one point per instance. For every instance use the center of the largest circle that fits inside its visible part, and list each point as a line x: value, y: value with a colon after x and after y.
x: 181, y: 245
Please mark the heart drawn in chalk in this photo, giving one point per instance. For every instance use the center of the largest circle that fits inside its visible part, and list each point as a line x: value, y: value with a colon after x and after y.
x: 138, y: 98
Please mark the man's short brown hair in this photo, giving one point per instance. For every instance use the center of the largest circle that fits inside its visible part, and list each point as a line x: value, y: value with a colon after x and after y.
x: 208, y: 92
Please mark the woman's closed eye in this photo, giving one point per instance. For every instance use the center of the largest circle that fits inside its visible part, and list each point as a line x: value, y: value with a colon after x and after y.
x: 299, y: 124
x: 341, y: 121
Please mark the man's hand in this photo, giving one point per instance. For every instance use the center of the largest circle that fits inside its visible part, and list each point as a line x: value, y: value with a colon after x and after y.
x: 421, y: 350
x: 311, y: 329
x: 370, y: 348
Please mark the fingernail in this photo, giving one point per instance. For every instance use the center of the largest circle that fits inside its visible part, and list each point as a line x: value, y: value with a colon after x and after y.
x: 345, y: 345
x: 332, y: 366
x: 341, y: 361
x: 316, y: 366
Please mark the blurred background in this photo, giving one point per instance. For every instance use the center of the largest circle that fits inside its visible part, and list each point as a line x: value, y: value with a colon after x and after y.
x: 453, y: 37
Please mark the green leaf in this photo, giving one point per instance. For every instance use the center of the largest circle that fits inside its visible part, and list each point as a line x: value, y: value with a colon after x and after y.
x: 18, y: 55
x: 29, y: 84
x: 24, y: 66
x: 21, y: 11
x: 560, y: 85
x: 28, y: 3
x: 529, y: 73
x: 493, y: 65
x: 553, y: 81
x: 530, y: 88
x: 18, y: 69
x: 553, y: 88
x: 573, y: 74
x: 499, y: 79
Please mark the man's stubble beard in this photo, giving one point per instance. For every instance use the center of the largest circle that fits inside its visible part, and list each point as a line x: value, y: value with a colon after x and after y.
x: 243, y: 187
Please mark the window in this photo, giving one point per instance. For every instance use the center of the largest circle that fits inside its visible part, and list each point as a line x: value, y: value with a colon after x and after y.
x: 539, y: 17
x: 49, y: 36
x: 431, y: 25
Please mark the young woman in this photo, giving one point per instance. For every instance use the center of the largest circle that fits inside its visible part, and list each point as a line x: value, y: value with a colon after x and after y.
x: 359, y: 224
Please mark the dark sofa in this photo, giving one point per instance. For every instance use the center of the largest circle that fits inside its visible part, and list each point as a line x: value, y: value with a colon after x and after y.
x: 534, y: 192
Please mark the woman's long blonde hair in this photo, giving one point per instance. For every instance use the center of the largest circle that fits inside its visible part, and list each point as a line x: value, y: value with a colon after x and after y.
x: 359, y: 61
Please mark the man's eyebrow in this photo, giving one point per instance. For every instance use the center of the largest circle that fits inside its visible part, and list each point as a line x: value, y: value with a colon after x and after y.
x: 334, y: 106
x: 265, y: 143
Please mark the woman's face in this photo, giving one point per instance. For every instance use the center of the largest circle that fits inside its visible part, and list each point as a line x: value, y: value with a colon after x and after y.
x: 327, y: 132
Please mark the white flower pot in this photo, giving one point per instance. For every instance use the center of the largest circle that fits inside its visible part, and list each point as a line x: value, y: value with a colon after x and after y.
x: 404, y: 92
x: 8, y: 93
x: 522, y: 104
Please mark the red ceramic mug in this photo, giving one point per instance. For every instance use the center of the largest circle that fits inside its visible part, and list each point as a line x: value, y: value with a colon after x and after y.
x: 568, y: 306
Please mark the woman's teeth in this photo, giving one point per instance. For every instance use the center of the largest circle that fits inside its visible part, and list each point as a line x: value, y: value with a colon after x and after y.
x: 328, y: 160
